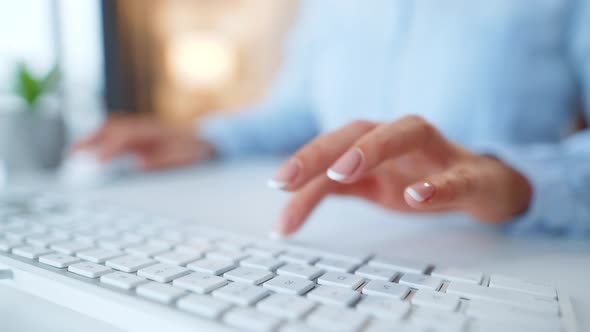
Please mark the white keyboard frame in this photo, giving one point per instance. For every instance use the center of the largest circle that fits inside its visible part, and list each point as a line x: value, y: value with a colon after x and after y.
x: 132, y: 313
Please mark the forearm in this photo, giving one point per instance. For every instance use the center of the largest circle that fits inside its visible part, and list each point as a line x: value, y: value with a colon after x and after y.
x: 258, y: 132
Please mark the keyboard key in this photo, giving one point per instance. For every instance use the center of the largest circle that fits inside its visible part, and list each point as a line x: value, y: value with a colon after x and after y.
x: 99, y: 255
x: 269, y: 264
x: 162, y: 293
x: 88, y: 237
x: 299, y: 258
x: 88, y: 269
x: 334, y: 295
x: 336, y: 265
x: 195, y: 248
x: 494, y: 312
x: 162, y: 272
x: 226, y: 255
x: 70, y: 247
x: 376, y: 273
x: 248, y: 319
x: 248, y: 275
x: 129, y: 263
x: 148, y: 250
x: 398, y: 264
x: 389, y: 326
x: 339, y: 279
x: 118, y: 243
x: 241, y: 294
x: 389, y: 309
x: 298, y: 327
x: 289, y: 285
x: 484, y: 325
x: 44, y: 240
x: 328, y: 318
x: 200, y: 282
x: 436, y: 300
x: 499, y: 281
x: 30, y: 252
x: 263, y: 252
x: 205, y: 306
x: 301, y: 271
x: 6, y: 245
x: 178, y: 257
x: 58, y: 260
x: 212, y: 266
x: 286, y: 306
x: 122, y: 280
x: 420, y: 281
x: 20, y: 234
x: 386, y: 289
x: 522, y: 300
x: 453, y: 274
x: 437, y: 320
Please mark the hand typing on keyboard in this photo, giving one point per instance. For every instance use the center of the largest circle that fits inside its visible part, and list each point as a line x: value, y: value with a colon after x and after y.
x: 406, y: 165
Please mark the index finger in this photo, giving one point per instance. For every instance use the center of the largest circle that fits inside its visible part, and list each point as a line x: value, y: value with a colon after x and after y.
x: 315, y: 157
x: 388, y: 141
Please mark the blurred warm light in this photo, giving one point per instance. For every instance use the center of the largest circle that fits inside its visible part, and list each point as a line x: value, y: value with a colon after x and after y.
x: 201, y: 61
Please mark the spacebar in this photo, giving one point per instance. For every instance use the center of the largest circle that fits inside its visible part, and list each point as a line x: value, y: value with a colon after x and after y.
x: 534, y: 303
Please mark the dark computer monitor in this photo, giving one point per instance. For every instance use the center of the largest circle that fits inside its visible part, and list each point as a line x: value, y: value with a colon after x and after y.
x: 118, y: 83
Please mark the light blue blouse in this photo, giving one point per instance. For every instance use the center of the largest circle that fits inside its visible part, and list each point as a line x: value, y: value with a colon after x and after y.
x: 506, y: 77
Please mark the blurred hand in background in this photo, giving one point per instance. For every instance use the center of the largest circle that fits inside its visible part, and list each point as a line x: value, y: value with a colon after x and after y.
x: 154, y: 144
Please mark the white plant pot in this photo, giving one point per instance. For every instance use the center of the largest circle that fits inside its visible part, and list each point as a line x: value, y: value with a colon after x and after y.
x: 31, y: 140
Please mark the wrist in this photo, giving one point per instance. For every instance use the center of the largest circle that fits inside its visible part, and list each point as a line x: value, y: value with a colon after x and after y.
x: 205, y: 150
x: 515, y: 189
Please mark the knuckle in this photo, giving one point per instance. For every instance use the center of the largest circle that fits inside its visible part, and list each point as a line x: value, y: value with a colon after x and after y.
x: 311, y: 153
x: 361, y: 125
x: 423, y: 126
x: 464, y: 181
x: 414, y: 119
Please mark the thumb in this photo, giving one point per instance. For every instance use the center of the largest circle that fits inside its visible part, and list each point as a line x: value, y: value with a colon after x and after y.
x: 452, y: 189
x: 489, y: 191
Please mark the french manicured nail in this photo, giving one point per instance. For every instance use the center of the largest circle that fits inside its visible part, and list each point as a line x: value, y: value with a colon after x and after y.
x: 420, y: 192
x: 276, y: 236
x: 345, y: 165
x: 285, y: 175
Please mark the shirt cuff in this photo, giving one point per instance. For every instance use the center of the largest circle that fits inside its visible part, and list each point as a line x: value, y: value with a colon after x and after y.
x: 552, y: 207
x: 219, y: 132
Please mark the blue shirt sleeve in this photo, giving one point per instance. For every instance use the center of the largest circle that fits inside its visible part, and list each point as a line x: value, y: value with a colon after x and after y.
x: 559, y: 173
x: 283, y: 121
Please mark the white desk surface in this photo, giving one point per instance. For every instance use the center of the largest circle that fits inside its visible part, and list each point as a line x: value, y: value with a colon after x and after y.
x: 234, y: 196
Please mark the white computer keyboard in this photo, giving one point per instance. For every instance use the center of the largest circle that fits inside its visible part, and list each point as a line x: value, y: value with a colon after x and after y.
x: 257, y: 285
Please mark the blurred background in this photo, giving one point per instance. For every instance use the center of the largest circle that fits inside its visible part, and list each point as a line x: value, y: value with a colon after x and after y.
x: 66, y: 63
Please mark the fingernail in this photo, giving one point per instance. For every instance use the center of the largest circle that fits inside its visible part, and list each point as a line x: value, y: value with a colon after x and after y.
x: 285, y: 175
x: 276, y: 236
x: 345, y: 165
x: 420, y: 192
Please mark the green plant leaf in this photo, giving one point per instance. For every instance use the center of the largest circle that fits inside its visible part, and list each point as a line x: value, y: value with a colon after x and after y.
x: 50, y: 80
x: 31, y: 88
x: 26, y: 85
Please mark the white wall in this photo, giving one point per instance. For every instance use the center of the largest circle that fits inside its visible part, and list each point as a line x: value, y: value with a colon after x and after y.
x: 26, y: 33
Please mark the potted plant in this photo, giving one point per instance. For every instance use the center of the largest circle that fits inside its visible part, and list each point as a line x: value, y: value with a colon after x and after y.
x: 32, y: 130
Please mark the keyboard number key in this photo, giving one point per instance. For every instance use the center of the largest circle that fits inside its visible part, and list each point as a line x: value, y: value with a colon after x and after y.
x: 59, y: 261
x: 162, y: 293
x: 89, y: 270
x: 122, y: 280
